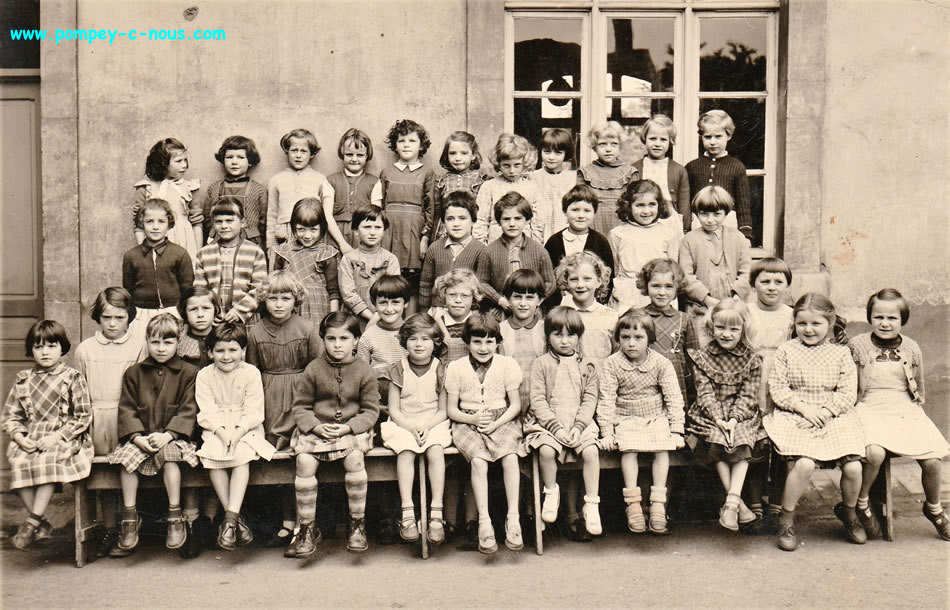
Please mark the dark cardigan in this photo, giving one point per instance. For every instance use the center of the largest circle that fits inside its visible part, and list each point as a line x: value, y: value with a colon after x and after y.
x: 596, y: 244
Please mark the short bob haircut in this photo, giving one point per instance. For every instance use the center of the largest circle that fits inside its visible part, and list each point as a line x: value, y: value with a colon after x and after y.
x: 558, y: 140
x: 368, y: 212
x: 716, y: 118
x: 581, y: 192
x: 820, y: 304
x: 46, y: 331
x: 770, y: 264
x: 239, y: 143
x: 730, y: 311
x: 632, y: 320
x: 359, y: 139
x: 160, y: 155
x: 228, y: 206
x: 281, y: 281
x: 524, y: 281
x: 635, y: 190
x: 164, y: 326
x: 512, y: 199
x: 301, y: 134
x: 340, y: 319
x: 403, y: 127
x: 658, y: 121
x: 712, y: 199
x: 571, y: 262
x: 482, y: 325
x: 460, y: 277
x: 893, y: 295
x: 467, y: 139
x: 422, y: 324
x: 308, y: 212
x: 660, y: 265
x: 116, y: 297
x: 154, y: 204
x: 197, y: 292
x: 224, y: 332
x: 390, y: 287
x: 606, y: 128
x: 565, y: 318
x: 509, y: 147
x: 460, y: 199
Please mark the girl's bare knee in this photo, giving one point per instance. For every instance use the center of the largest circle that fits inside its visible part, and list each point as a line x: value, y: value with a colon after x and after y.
x: 805, y: 465
x: 354, y: 462
x: 875, y: 454
x: 306, y: 465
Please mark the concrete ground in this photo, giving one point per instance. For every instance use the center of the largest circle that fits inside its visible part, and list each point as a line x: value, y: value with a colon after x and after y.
x: 700, y: 564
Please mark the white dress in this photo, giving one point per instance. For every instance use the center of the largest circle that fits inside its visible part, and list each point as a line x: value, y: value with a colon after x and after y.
x: 634, y: 246
x: 418, y: 402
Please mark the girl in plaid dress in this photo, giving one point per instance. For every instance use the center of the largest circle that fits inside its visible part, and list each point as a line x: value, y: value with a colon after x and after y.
x: 485, y: 405
x: 814, y: 386
x: 336, y: 405
x: 725, y: 425
x: 47, y: 416
x: 640, y: 411
x: 156, y: 419
x: 312, y: 259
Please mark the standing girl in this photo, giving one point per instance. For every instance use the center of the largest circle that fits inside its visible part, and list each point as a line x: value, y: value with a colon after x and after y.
x: 647, y: 233
x: 47, y: 416
x: 360, y: 268
x: 658, y: 134
x: 418, y: 422
x: 102, y: 359
x: 584, y: 277
x: 335, y: 408
x: 292, y: 184
x: 407, y: 197
x: 560, y: 422
x: 462, y: 163
x: 890, y: 407
x: 608, y: 175
x: 640, y: 411
x: 814, y: 385
x: 485, y: 406
x: 554, y: 179
x: 238, y: 156
x: 165, y: 170
x: 511, y: 157
x: 230, y: 400
x: 725, y: 424
x: 351, y: 188
x: 281, y: 346
x: 312, y: 259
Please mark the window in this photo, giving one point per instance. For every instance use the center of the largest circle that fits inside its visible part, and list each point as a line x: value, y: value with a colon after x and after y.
x: 573, y: 64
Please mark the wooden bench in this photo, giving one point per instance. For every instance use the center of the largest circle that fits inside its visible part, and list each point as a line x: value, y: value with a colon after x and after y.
x: 610, y: 460
x: 380, y: 466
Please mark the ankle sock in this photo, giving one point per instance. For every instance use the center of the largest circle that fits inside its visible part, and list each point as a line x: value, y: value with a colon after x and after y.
x: 775, y: 509
x: 435, y: 512
x: 934, y: 509
x: 408, y: 513
x: 787, y: 517
x: 34, y: 518
x: 756, y: 509
x: 863, y: 503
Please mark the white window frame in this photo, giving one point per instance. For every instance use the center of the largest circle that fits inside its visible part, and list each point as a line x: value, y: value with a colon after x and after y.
x: 686, y: 94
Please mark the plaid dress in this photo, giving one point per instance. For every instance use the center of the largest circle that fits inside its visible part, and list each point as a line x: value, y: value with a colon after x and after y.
x: 820, y: 376
x: 674, y: 335
x: 315, y: 267
x: 43, y: 402
x: 503, y: 375
x: 640, y: 404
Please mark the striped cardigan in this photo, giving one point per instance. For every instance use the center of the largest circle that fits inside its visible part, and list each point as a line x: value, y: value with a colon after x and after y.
x: 438, y: 261
x: 255, y: 208
x: 250, y: 271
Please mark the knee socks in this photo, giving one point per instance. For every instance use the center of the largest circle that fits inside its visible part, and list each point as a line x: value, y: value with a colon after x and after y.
x: 355, y: 484
x: 306, y: 488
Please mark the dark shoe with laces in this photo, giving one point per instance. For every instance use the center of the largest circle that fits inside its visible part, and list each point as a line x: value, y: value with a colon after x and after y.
x: 192, y: 546
x: 577, y: 530
x: 306, y: 541
x: 787, y: 538
x: 869, y: 521
x: 25, y: 535
x: 244, y: 534
x: 356, y: 537
x: 227, y: 534
x: 108, y: 541
x: 941, y: 522
x: 852, y: 527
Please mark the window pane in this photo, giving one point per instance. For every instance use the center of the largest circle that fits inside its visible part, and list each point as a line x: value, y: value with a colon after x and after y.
x: 534, y: 116
x: 748, y: 140
x: 640, y: 55
x: 732, y: 53
x: 632, y: 112
x: 757, y: 197
x: 547, y: 54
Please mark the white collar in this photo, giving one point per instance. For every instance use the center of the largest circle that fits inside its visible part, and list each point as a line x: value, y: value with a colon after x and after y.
x: 402, y: 165
x: 352, y: 175
x: 102, y: 338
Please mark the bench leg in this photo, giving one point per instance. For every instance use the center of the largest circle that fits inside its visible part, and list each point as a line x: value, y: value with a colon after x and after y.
x: 423, y: 507
x: 87, y: 529
x: 881, y: 496
x: 538, y: 522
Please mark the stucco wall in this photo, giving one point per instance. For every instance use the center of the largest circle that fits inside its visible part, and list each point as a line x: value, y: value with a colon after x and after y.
x: 283, y: 65
x: 886, y: 150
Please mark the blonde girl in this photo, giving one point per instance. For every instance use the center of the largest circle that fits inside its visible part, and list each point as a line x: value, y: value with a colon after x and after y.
x: 418, y: 422
x: 608, y: 175
x: 462, y: 163
x: 511, y: 157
